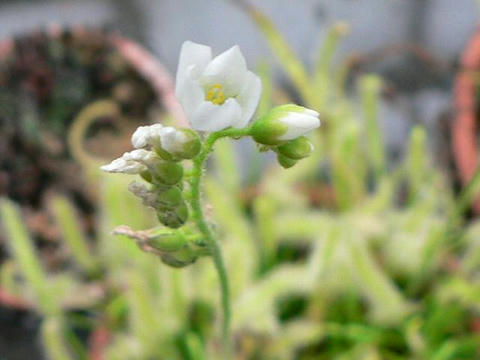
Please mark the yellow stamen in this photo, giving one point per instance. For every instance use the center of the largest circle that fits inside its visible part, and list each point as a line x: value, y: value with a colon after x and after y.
x: 215, y: 94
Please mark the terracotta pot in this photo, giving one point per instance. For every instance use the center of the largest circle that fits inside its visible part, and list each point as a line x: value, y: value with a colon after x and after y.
x: 465, y: 125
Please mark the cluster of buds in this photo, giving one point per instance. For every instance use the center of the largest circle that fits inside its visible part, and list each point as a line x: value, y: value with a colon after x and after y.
x: 282, y: 130
x: 216, y: 93
x: 157, y: 159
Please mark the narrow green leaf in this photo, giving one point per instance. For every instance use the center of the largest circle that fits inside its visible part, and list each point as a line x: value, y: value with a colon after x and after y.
x: 67, y: 219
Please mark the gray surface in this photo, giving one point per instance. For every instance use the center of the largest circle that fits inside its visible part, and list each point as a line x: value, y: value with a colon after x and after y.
x: 21, y: 17
x: 440, y: 26
x: 443, y: 26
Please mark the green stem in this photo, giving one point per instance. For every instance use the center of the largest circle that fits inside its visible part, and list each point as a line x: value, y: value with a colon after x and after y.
x: 202, y: 224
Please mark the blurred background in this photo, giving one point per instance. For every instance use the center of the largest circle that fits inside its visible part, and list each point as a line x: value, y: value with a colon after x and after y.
x: 369, y: 250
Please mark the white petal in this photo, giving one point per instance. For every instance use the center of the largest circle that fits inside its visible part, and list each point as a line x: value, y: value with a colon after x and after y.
x: 311, y: 112
x: 191, y: 54
x: 135, y: 155
x: 172, y: 140
x: 190, y: 94
x: 228, y: 69
x: 249, y: 98
x: 140, y: 137
x: 211, y: 117
x: 121, y: 165
x: 146, y: 135
x: 298, y: 124
x: 140, y: 155
x: 154, y: 134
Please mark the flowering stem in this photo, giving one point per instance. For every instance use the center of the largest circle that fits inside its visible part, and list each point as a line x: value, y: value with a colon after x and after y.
x: 202, y: 225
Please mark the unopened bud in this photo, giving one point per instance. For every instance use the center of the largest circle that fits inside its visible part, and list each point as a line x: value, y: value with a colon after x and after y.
x: 167, y: 172
x: 173, y: 218
x: 181, y: 258
x: 283, y: 123
x: 178, y: 144
x: 167, y: 242
x: 170, y: 197
x: 285, y: 162
x: 296, y: 149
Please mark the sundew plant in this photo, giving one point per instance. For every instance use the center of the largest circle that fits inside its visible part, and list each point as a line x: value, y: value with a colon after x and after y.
x: 329, y: 252
x: 219, y: 97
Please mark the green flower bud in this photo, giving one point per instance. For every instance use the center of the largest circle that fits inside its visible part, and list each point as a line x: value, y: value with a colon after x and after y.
x: 283, y: 123
x: 167, y: 172
x: 296, y: 149
x: 146, y: 175
x: 167, y: 242
x: 180, y: 258
x: 285, y: 162
x: 175, y: 217
x: 170, y: 197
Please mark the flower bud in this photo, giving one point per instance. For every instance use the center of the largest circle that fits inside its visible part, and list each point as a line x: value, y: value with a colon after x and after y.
x: 285, y: 161
x: 174, y: 217
x: 149, y: 198
x: 167, y: 242
x: 181, y: 258
x: 146, y: 136
x: 168, y: 142
x: 167, y: 172
x: 178, y: 144
x: 296, y: 149
x: 170, y: 197
x: 283, y: 123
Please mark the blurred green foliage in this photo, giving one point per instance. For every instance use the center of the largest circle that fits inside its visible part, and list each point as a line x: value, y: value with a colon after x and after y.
x: 388, y: 268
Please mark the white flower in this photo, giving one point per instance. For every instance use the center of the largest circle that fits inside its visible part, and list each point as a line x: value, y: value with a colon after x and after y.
x: 133, y: 162
x: 299, y: 123
x: 216, y: 93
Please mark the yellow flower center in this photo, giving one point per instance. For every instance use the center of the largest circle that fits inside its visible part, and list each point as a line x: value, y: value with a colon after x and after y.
x: 215, y: 94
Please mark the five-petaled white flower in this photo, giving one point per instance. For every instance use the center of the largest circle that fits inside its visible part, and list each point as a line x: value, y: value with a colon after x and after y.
x: 216, y: 93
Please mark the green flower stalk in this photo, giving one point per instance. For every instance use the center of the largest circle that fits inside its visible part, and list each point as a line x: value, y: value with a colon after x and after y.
x: 219, y: 96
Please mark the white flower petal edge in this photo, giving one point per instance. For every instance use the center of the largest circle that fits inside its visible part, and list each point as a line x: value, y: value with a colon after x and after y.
x: 172, y: 140
x: 216, y: 93
x: 166, y: 137
x: 146, y: 135
x: 299, y: 123
x: 211, y: 117
x: 121, y: 165
x: 133, y: 162
x: 229, y: 69
x: 194, y: 58
x: 142, y: 156
x: 249, y: 98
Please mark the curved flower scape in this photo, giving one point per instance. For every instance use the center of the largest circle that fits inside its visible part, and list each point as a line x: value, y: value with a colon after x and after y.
x: 216, y: 93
